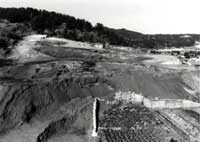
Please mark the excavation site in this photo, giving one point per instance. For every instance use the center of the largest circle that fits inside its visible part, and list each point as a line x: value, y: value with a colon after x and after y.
x: 58, y: 88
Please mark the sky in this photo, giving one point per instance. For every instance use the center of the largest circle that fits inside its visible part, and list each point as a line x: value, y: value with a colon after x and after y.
x: 146, y: 16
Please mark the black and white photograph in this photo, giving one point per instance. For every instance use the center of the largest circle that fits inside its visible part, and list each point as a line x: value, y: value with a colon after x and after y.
x: 99, y: 71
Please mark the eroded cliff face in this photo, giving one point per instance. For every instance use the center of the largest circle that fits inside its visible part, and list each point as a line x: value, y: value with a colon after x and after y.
x: 20, y: 102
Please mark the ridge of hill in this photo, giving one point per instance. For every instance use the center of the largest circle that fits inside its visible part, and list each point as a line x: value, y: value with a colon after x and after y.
x: 61, y: 25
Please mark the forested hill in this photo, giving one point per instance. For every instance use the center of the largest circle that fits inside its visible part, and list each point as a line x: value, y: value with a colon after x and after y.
x: 56, y: 24
x: 66, y: 26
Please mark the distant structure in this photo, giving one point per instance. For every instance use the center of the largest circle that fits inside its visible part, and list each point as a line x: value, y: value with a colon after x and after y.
x: 94, y: 130
x: 154, y: 103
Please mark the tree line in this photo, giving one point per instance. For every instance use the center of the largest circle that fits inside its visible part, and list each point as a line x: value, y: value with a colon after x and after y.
x: 56, y: 24
x: 53, y: 23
